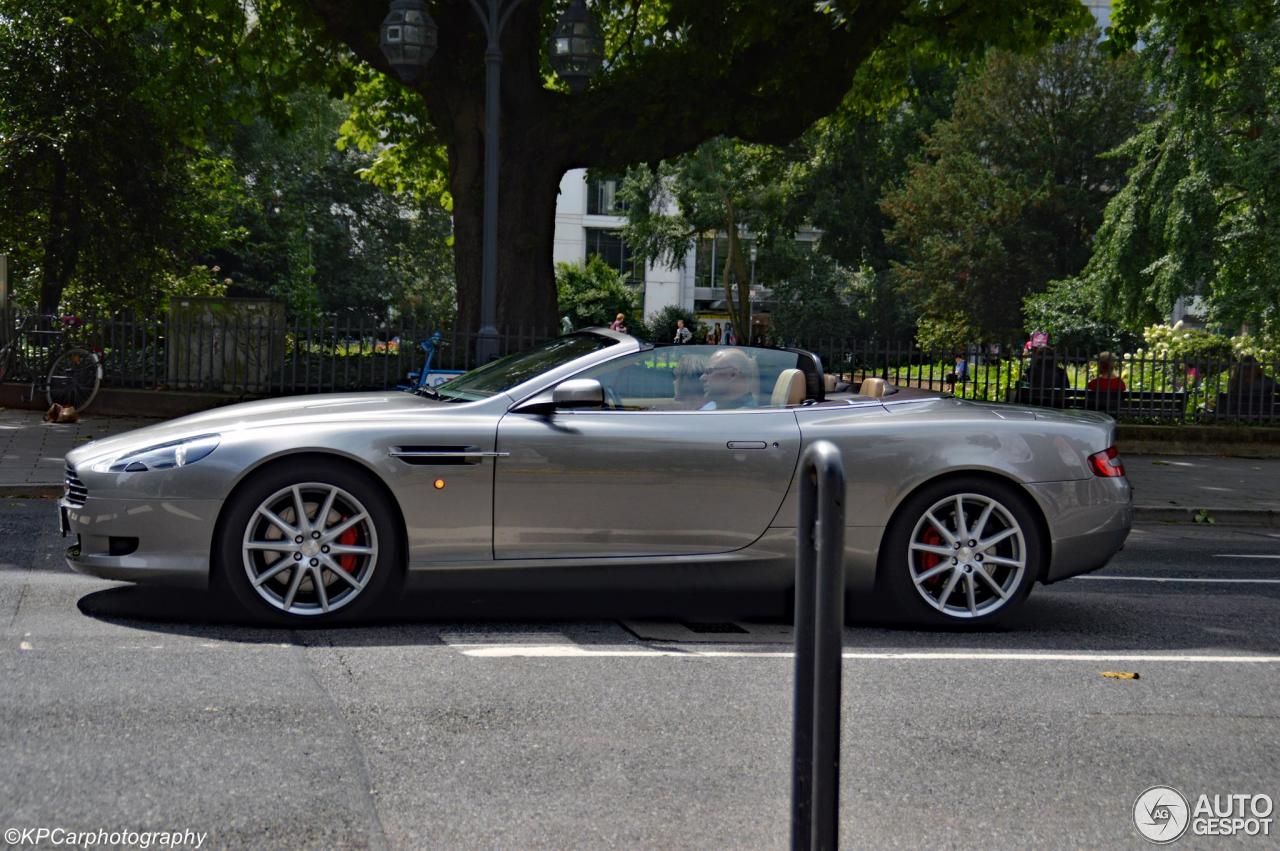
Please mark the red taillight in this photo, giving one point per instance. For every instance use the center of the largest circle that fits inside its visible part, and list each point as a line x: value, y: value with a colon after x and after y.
x: 1107, y: 463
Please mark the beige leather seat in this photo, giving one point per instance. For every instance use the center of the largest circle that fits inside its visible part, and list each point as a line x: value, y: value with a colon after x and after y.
x: 873, y: 387
x: 789, y: 389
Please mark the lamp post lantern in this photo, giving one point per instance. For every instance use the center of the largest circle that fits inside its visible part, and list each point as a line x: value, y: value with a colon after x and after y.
x: 408, y: 38
x: 408, y: 41
x: 577, y: 46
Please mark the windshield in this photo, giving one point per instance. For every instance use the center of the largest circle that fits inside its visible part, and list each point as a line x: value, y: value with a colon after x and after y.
x: 501, y: 375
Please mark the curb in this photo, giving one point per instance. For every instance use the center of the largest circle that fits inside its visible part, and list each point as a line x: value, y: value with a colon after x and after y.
x: 30, y: 491
x: 1208, y: 516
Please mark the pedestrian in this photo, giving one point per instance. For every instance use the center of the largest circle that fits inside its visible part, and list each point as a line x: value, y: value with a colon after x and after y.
x: 1106, y: 382
x: 1043, y: 373
x: 959, y: 373
x: 714, y: 337
x: 566, y: 324
x: 619, y: 323
x: 683, y: 334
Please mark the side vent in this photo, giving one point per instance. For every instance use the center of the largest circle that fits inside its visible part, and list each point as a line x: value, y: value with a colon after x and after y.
x: 442, y: 456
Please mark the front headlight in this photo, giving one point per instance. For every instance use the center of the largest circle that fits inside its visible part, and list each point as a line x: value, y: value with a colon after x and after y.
x: 178, y: 453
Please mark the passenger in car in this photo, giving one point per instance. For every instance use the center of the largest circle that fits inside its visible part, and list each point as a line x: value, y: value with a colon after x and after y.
x: 688, y: 382
x: 729, y: 381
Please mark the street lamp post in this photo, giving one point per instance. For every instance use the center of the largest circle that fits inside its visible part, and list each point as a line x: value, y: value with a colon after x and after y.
x: 577, y: 51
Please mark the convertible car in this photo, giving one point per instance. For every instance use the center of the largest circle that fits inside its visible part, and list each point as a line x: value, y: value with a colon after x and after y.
x: 596, y: 452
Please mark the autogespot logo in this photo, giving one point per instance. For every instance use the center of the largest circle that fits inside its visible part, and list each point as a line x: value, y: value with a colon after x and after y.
x: 1161, y: 814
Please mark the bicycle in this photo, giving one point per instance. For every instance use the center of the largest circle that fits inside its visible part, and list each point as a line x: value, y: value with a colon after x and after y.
x: 74, y: 373
x: 420, y: 379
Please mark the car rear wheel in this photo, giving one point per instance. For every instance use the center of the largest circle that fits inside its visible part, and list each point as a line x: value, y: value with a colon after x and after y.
x: 310, y: 547
x: 961, y: 552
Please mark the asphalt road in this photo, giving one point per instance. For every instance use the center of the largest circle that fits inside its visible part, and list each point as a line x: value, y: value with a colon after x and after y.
x: 127, y: 708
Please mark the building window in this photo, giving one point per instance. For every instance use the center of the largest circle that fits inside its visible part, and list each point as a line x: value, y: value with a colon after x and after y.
x: 602, y: 197
x: 608, y: 245
x: 711, y: 257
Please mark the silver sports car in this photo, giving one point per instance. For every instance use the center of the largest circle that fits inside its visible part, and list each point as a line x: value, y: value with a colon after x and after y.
x: 597, y: 452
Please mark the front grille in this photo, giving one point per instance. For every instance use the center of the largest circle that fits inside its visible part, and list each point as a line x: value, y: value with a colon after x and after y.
x: 77, y: 493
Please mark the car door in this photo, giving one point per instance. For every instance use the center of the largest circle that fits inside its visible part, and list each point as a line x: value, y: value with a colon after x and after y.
x: 645, y: 476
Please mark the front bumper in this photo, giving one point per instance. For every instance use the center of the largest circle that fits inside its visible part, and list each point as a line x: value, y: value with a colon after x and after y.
x: 173, y: 539
x: 1089, y: 520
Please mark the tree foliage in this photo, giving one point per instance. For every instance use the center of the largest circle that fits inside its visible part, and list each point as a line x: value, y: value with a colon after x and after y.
x: 1200, y: 212
x: 722, y: 187
x: 1012, y: 186
x: 101, y: 190
x: 313, y: 232
x: 593, y: 293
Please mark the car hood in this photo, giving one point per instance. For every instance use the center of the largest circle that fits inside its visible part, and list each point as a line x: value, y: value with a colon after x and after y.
x: 288, y: 411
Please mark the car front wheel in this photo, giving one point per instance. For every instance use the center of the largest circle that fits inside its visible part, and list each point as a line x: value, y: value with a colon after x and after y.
x: 310, y: 548
x: 962, y: 552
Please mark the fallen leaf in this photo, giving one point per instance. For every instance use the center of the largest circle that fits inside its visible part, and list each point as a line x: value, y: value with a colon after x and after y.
x: 1121, y: 675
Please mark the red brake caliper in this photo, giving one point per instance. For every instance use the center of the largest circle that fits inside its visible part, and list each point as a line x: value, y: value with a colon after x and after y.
x: 348, y: 561
x: 930, y: 560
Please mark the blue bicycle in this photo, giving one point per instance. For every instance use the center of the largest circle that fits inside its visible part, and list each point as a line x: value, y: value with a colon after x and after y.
x: 420, y: 380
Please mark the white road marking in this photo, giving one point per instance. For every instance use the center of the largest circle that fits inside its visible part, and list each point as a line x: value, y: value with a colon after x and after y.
x: 566, y: 651
x: 1179, y: 579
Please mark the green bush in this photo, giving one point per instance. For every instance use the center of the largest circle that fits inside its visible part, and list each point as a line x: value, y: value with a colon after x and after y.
x: 593, y: 293
x: 661, y: 326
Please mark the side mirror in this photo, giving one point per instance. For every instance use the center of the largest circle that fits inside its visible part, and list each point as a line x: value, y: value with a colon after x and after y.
x: 579, y: 393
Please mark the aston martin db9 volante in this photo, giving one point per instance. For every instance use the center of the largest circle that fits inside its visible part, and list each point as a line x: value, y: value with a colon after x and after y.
x: 596, y: 452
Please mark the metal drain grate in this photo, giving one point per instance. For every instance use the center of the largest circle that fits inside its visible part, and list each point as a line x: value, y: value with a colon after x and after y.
x: 711, y: 628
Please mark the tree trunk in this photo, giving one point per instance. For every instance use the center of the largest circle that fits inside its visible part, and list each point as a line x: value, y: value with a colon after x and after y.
x: 61, y: 242
x: 739, y: 302
x: 528, y: 186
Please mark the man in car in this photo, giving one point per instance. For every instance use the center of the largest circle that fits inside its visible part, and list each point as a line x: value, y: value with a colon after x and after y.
x: 729, y: 381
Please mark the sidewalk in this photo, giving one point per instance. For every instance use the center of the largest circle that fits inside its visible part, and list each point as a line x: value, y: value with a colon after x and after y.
x: 1167, y: 488
x: 31, y: 450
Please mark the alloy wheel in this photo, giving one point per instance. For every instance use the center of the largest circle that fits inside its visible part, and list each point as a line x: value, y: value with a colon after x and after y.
x: 310, y: 549
x: 967, y: 555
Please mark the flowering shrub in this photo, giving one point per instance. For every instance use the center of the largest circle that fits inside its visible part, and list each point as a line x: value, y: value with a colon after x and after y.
x: 1178, y: 342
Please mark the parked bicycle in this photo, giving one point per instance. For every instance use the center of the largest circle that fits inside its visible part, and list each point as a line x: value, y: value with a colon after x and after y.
x: 73, y: 374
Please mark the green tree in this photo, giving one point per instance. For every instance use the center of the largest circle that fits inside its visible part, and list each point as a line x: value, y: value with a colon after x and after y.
x: 593, y: 293
x: 678, y: 72
x: 661, y: 326
x: 854, y: 157
x: 1012, y: 186
x: 314, y: 232
x: 102, y: 191
x: 723, y: 187
x: 1200, y: 212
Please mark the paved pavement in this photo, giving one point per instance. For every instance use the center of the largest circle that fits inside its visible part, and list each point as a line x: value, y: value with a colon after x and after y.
x: 31, y: 450
x: 1174, y: 488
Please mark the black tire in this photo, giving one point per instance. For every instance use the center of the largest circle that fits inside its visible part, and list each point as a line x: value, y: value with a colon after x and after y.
x: 379, y: 576
x: 915, y: 580
x: 73, y: 379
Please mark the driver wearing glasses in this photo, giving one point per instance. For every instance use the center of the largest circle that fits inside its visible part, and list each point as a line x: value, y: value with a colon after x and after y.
x: 729, y: 381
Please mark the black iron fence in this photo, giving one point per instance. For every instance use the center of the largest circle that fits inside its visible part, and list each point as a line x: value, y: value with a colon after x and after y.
x: 1138, y: 387
x: 254, y: 348
x: 248, y: 347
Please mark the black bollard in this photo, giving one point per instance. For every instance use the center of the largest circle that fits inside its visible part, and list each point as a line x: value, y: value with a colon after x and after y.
x: 819, y: 624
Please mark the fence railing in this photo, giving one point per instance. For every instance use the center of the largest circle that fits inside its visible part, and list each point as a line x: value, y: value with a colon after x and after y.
x: 265, y: 352
x: 256, y: 348
x: 1141, y: 387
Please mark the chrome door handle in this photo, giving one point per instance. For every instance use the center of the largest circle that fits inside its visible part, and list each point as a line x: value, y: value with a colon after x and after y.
x: 747, y: 444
